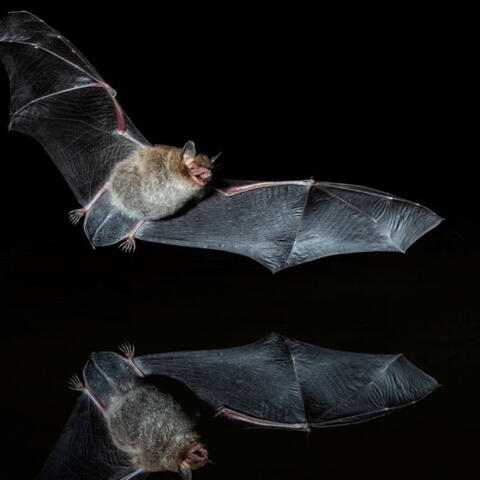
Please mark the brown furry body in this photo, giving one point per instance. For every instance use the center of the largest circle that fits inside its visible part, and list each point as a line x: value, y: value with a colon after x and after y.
x: 155, y: 182
x: 151, y: 428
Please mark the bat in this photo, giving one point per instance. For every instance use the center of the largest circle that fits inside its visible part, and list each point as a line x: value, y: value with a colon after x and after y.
x: 123, y: 426
x: 129, y: 189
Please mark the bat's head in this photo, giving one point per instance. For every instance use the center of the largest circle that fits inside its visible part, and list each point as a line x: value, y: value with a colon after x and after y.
x: 195, y: 457
x: 198, y: 167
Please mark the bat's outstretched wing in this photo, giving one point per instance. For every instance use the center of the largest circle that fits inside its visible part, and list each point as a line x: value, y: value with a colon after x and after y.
x: 85, y: 451
x: 59, y: 99
x: 279, y: 382
x: 280, y: 224
x: 276, y: 382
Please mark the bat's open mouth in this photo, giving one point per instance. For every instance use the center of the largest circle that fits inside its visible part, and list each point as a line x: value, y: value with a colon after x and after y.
x: 197, y: 456
x: 200, y: 175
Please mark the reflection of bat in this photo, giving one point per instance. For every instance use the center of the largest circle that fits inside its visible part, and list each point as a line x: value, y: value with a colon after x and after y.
x: 129, y: 189
x: 123, y: 426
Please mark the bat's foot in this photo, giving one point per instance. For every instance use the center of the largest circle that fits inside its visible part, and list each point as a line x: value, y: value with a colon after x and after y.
x: 76, y: 384
x: 75, y: 215
x: 128, y: 245
x: 128, y: 350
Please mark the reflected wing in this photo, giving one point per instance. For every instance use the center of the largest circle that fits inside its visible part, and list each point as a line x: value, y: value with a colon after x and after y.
x: 279, y: 382
x: 84, y: 451
x: 276, y: 382
x: 59, y: 99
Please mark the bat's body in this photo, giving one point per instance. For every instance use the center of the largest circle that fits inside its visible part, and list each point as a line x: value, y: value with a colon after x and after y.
x: 129, y: 189
x: 146, y: 425
x: 153, y: 183
x: 124, y: 427
x: 156, y: 182
x: 154, y: 431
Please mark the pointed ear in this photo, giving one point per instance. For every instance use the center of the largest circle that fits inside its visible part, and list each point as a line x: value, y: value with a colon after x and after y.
x: 212, y: 159
x: 189, y: 151
x: 185, y: 472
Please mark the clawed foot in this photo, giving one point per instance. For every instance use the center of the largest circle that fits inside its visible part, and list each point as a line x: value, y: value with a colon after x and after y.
x: 127, y: 349
x: 76, y: 384
x: 75, y: 215
x: 128, y: 246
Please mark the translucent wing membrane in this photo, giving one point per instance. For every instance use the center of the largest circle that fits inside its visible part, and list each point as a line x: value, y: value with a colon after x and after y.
x: 279, y: 382
x: 59, y: 99
x: 276, y: 382
x: 85, y: 451
x: 285, y: 224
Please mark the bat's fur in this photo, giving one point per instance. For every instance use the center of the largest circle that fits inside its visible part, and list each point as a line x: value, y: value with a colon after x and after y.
x: 151, y: 428
x: 155, y: 182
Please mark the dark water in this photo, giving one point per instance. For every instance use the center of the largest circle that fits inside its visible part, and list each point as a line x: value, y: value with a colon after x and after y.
x: 362, y: 112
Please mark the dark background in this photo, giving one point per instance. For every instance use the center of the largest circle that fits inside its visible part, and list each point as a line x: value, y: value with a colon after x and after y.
x: 365, y: 97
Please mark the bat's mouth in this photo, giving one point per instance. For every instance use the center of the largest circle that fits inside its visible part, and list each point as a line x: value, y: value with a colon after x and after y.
x: 200, y: 175
x: 197, y: 456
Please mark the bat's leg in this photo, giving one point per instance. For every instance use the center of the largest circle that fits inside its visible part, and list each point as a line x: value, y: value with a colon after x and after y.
x: 129, y: 351
x: 76, y: 384
x: 128, y: 245
x: 76, y: 215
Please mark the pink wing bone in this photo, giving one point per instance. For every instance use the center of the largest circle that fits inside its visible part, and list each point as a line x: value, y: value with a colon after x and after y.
x: 237, y: 189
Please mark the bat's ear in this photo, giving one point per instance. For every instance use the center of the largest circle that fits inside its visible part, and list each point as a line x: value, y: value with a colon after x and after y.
x: 185, y: 472
x: 212, y: 159
x: 189, y: 152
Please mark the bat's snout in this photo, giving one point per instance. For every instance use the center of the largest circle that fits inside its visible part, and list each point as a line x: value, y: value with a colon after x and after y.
x: 199, y: 174
x: 197, y: 456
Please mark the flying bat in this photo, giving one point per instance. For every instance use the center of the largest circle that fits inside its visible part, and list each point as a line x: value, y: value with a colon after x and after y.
x: 129, y: 189
x: 123, y: 426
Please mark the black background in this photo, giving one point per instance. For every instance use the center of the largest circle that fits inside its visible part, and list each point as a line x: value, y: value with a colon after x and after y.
x: 365, y: 97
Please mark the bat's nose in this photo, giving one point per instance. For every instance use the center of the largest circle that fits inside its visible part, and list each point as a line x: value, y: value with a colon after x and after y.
x: 197, y: 456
